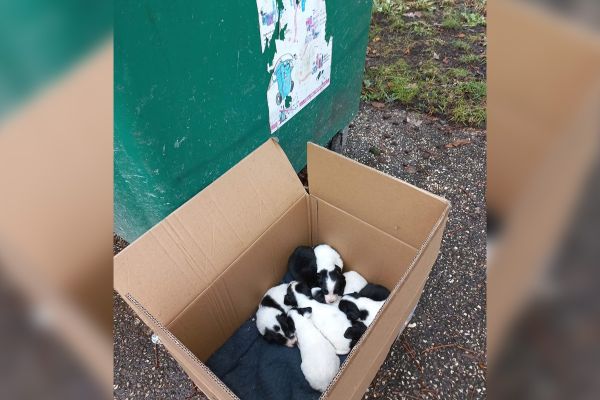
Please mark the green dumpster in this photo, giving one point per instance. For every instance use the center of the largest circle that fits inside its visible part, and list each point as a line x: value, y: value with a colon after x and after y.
x: 199, y: 85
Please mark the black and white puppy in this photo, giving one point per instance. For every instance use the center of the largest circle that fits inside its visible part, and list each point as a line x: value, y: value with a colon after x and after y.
x: 329, y: 320
x: 320, y: 362
x: 359, y: 308
x: 272, y: 320
x: 320, y: 266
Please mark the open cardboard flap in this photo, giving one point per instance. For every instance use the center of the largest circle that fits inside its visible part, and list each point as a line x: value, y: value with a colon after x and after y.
x: 335, y: 179
x: 176, y: 260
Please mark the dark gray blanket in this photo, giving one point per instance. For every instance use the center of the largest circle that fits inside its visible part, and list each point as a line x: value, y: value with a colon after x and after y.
x: 257, y: 370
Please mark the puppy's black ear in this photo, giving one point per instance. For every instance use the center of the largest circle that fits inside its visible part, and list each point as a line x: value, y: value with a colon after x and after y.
x: 305, y: 310
x: 350, y: 309
x: 340, y: 282
x: 319, y: 296
x: 291, y: 325
x: 322, y: 278
x: 363, y: 315
x: 274, y: 337
x: 355, y: 332
x: 374, y: 292
x: 290, y: 299
x: 268, y: 301
x: 304, y: 289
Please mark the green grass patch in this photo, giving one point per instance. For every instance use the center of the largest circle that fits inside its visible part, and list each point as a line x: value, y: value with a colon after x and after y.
x: 374, y: 31
x: 469, y: 59
x: 429, y: 88
x: 461, y: 45
x: 468, y: 114
x: 388, y: 7
x: 420, y: 29
x: 451, y: 21
x: 423, y: 5
x: 458, y: 73
x: 473, y: 19
x: 473, y: 90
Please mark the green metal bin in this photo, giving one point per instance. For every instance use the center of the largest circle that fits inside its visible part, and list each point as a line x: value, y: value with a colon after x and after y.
x: 200, y: 84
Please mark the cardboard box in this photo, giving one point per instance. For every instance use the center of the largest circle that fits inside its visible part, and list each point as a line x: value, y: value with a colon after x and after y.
x: 200, y: 273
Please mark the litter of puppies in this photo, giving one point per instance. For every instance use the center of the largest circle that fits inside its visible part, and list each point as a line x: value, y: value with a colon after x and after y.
x: 324, y: 311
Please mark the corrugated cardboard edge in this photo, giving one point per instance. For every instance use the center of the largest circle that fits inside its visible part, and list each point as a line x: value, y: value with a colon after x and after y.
x: 164, y: 332
x: 365, y: 336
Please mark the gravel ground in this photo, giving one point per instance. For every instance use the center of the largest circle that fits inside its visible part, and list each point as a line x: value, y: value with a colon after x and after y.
x: 441, y: 354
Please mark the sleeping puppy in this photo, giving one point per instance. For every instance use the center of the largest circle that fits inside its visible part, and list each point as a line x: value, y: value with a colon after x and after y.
x: 320, y: 363
x: 329, y: 320
x: 359, y: 308
x: 319, y: 267
x: 354, y: 282
x: 272, y: 320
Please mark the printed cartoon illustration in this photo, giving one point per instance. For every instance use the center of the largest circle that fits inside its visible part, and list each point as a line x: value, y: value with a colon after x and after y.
x: 300, y: 67
x: 282, y: 74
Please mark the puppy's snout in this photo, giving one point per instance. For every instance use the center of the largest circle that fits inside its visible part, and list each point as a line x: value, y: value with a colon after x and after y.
x: 331, y: 298
x: 292, y: 342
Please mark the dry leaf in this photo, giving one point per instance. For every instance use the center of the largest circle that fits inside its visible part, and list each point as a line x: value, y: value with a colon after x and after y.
x: 458, y: 143
x: 378, y: 104
x: 436, y: 55
x: 376, y: 39
x: 460, y: 35
x: 445, y: 60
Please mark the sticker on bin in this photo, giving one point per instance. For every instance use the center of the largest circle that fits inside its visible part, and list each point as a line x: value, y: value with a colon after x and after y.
x: 301, y: 66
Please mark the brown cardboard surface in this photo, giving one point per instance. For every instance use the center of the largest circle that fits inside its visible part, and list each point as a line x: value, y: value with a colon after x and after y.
x: 396, y: 207
x: 376, y: 255
x: 223, y: 307
x: 363, y: 360
x: 361, y: 383
x: 166, y: 268
x: 211, y: 385
x: 217, y: 288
